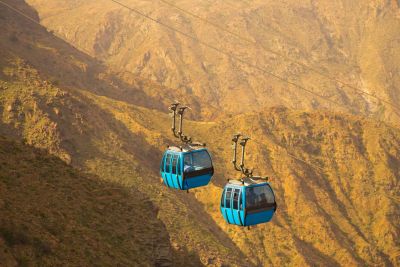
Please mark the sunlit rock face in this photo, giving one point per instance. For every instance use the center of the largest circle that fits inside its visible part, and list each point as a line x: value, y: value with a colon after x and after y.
x: 350, y: 41
x: 98, y: 132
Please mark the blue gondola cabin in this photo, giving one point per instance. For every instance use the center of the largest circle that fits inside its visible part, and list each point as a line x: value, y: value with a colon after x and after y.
x: 248, y: 203
x: 186, y: 168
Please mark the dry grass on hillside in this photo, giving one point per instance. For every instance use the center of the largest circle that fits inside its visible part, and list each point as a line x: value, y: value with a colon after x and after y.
x: 51, y: 214
x: 353, y: 41
x: 344, y: 211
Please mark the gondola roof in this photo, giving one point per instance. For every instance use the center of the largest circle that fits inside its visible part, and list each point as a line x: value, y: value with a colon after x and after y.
x: 186, y: 148
x: 249, y: 181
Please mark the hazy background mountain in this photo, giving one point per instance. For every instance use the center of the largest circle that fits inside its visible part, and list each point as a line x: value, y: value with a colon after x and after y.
x: 353, y: 41
x: 338, y: 200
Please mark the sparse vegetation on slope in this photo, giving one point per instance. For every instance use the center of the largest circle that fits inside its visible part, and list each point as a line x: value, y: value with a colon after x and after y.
x: 109, y: 144
x: 52, y: 215
x: 338, y: 199
x: 70, y: 124
x: 353, y: 41
x: 340, y: 210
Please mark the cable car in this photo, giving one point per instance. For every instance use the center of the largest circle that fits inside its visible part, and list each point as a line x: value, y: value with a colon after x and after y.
x: 188, y: 165
x: 186, y: 168
x: 248, y: 203
x: 250, y: 200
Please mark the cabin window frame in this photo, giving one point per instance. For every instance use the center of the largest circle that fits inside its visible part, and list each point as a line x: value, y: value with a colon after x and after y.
x: 223, y: 198
x: 178, y: 165
x: 235, y: 202
x: 174, y: 161
x: 257, y: 208
x: 193, y: 162
x: 228, y: 198
x: 241, y: 199
x: 167, y: 163
x: 163, y: 163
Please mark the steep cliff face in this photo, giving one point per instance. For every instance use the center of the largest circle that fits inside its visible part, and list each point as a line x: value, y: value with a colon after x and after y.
x: 352, y: 41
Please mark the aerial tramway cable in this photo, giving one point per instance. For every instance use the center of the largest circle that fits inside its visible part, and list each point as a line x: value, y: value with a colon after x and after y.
x: 258, y: 45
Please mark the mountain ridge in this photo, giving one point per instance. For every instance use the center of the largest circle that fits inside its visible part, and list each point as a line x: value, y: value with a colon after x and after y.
x: 336, y: 175
x: 323, y: 35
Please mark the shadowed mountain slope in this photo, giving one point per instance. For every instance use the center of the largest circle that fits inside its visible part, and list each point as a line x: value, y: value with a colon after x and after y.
x: 51, y: 214
x: 68, y: 122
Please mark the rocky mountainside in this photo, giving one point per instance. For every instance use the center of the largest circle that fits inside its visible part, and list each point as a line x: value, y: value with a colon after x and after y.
x: 355, y: 42
x: 336, y: 179
x: 86, y: 129
x: 51, y: 214
x: 336, y: 175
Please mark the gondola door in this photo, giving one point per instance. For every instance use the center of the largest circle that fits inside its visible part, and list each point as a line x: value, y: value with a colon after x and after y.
x: 179, y: 172
x: 167, y: 170
x: 228, y: 205
x: 237, y: 207
x: 174, y: 176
